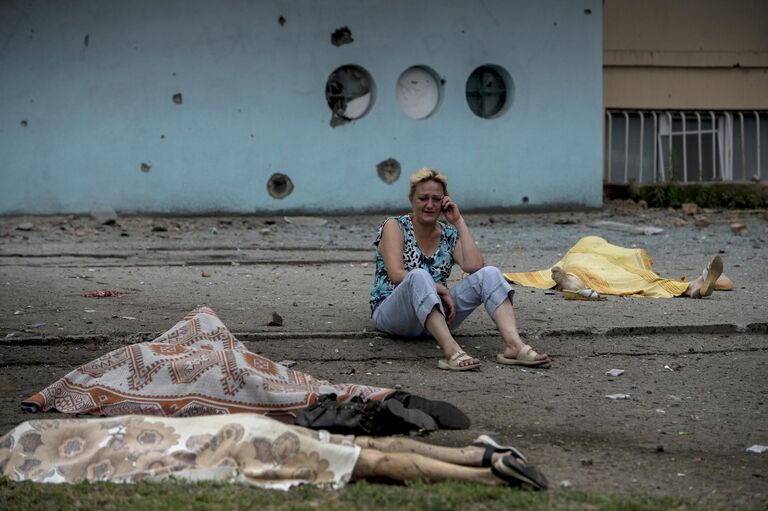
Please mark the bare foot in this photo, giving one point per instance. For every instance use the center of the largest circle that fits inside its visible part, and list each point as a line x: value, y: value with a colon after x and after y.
x: 566, y: 281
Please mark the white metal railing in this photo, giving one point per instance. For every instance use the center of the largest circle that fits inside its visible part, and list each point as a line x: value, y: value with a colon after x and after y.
x: 689, y: 146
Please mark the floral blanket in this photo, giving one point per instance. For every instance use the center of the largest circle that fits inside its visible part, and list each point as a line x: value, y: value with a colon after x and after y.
x: 245, y: 448
x: 196, y: 368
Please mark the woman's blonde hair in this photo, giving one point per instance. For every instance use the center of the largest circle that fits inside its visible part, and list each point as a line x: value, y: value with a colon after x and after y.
x: 427, y: 174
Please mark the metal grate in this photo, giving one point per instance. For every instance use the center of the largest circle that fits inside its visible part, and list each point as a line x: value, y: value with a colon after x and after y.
x: 688, y: 146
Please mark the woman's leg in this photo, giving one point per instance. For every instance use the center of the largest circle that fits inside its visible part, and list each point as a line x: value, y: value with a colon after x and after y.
x: 377, y: 465
x: 504, y: 317
x: 437, y: 326
x: 413, y: 309
x: 470, y: 456
x: 488, y: 286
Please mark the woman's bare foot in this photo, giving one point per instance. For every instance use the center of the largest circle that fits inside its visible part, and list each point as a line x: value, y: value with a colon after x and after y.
x: 723, y: 283
x: 566, y: 281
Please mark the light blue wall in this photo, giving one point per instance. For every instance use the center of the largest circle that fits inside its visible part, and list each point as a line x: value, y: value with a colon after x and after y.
x: 254, y: 104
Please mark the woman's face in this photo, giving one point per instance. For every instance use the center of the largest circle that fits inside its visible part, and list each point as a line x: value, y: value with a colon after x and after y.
x: 427, y: 201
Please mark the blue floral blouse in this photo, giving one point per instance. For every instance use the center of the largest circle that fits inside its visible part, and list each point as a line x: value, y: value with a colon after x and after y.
x: 439, y: 265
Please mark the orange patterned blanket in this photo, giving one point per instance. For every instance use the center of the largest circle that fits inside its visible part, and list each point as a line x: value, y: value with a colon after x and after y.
x: 196, y: 368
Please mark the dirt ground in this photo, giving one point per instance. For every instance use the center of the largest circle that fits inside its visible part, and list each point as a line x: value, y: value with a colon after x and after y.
x: 696, y: 370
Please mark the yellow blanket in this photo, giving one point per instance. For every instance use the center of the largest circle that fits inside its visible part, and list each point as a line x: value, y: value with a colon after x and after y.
x: 608, y: 269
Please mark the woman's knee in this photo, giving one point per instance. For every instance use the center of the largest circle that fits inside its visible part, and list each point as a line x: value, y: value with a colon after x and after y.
x: 489, y: 274
x: 419, y: 276
x: 418, y: 273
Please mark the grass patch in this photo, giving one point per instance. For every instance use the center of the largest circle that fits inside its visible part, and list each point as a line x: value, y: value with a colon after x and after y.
x: 170, y: 496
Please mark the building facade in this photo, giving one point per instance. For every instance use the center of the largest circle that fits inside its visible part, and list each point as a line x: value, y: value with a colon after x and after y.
x: 192, y: 106
x: 686, y: 90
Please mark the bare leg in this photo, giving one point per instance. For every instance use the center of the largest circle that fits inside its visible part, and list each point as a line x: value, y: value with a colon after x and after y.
x: 437, y: 326
x: 374, y: 464
x: 470, y: 456
x: 504, y: 317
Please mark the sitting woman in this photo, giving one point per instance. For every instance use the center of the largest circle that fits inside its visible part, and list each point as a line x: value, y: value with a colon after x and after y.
x: 414, y: 257
x: 593, y: 267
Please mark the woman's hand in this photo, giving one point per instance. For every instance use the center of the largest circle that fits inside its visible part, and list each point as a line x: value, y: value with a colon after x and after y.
x: 450, y: 210
x: 448, y: 305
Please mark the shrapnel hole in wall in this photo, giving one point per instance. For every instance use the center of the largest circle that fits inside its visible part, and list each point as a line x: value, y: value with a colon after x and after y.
x: 388, y: 170
x: 341, y: 36
x: 279, y: 185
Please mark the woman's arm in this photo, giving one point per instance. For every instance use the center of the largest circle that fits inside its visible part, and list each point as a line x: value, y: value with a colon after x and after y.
x: 391, y: 248
x: 466, y: 254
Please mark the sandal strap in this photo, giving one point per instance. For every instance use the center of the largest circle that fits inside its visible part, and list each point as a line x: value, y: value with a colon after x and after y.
x: 527, y: 353
x: 459, y: 356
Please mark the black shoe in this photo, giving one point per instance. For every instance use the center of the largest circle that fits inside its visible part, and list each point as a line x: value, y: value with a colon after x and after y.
x: 446, y: 415
x: 517, y: 473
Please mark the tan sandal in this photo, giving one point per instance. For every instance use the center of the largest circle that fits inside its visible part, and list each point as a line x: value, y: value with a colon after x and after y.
x: 711, y: 274
x: 525, y: 357
x: 586, y: 294
x: 454, y: 363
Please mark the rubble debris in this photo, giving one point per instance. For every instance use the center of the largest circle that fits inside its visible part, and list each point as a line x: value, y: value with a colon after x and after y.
x: 632, y: 229
x: 701, y: 221
x: 314, y: 221
x: 275, y: 320
x: 690, y: 208
x: 104, y: 214
x: 205, y: 274
x: 287, y: 363
x: 341, y: 36
x: 104, y: 293
x: 739, y: 228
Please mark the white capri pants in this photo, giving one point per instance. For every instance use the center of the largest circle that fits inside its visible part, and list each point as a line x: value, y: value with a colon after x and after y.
x: 405, y: 311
